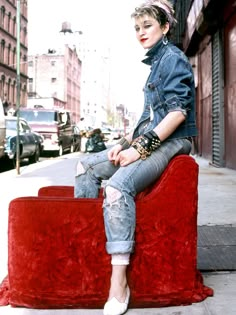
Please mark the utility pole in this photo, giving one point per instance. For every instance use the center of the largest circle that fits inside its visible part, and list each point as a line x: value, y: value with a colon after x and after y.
x: 18, y: 86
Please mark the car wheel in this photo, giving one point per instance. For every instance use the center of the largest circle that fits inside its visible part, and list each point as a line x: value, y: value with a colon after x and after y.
x: 35, y: 157
x: 60, y: 151
x: 72, y: 147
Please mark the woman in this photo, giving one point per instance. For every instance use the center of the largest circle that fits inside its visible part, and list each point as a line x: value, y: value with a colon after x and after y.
x: 163, y: 131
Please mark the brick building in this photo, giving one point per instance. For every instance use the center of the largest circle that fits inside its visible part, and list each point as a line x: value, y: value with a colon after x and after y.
x: 8, y: 52
x: 56, y: 75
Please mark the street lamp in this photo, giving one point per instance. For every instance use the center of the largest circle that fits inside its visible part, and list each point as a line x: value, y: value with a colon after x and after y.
x: 18, y: 85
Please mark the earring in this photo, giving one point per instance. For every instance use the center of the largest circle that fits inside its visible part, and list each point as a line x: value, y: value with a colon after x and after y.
x: 164, y: 39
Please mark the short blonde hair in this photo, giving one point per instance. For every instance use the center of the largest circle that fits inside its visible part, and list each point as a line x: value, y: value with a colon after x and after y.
x: 161, y: 10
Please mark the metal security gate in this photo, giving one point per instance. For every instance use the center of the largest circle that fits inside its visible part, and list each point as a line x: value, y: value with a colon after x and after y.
x: 218, y: 145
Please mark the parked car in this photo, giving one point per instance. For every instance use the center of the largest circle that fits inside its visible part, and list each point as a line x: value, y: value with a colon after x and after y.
x: 54, y: 125
x: 29, y: 141
x: 41, y: 141
x: 2, y: 129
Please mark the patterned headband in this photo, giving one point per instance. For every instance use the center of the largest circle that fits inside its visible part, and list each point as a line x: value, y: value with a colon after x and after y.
x: 166, y: 8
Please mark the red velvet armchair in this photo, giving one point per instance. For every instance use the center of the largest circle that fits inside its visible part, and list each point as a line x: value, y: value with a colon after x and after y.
x: 57, y: 256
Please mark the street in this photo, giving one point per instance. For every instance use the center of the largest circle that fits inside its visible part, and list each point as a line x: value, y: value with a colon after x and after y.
x: 7, y: 165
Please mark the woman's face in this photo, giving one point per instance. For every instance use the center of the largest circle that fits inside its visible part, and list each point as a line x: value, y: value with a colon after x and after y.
x: 149, y: 31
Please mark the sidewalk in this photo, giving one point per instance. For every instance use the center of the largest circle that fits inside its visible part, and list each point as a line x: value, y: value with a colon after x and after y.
x: 217, y: 199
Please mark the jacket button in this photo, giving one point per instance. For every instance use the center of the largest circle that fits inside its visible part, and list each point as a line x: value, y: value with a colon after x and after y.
x: 150, y: 86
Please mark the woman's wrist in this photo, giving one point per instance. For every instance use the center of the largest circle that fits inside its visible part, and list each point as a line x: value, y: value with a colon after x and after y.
x: 146, y: 144
x: 124, y: 143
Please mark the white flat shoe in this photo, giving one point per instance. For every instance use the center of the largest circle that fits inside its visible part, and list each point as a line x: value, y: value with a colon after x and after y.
x: 114, y: 307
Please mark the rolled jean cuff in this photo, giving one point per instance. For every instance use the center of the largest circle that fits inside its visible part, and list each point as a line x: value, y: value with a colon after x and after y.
x: 124, y: 247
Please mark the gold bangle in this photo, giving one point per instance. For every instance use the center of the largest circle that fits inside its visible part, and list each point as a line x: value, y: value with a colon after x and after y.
x: 140, y: 149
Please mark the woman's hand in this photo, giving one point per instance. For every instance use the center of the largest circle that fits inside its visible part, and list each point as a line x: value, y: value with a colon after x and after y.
x: 113, y: 153
x: 126, y: 157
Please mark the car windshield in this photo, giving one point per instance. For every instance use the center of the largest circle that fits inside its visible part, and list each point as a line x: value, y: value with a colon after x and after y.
x: 11, y: 124
x: 38, y: 116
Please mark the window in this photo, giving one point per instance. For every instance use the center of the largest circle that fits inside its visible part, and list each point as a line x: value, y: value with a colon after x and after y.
x: 53, y: 62
x: 38, y: 116
x: 31, y: 87
x: 2, y: 50
x: 2, y: 16
x: 24, y: 127
x: 14, y: 26
x: 14, y: 57
x: 53, y: 80
x: 9, y: 55
x: 24, y: 35
x: 9, y: 22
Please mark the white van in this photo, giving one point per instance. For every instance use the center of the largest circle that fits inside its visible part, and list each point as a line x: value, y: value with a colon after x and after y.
x: 2, y: 130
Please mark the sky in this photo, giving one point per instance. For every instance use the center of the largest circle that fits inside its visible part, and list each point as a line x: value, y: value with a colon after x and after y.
x: 105, y: 23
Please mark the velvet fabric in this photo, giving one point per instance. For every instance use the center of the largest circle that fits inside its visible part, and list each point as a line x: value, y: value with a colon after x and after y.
x: 56, y: 247
x: 60, y: 191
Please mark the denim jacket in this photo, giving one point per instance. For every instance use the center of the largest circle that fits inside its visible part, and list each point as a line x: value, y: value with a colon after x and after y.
x: 169, y: 87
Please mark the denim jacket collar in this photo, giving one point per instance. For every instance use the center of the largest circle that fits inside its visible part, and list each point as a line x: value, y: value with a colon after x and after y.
x: 154, y: 53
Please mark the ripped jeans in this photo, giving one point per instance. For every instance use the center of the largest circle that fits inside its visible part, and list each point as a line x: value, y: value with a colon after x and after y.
x: 122, y: 185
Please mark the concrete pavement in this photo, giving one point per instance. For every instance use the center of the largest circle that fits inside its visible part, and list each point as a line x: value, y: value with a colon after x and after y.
x: 217, y: 199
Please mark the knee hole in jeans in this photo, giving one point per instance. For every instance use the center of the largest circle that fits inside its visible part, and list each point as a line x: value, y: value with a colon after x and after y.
x: 79, y: 169
x: 112, y: 194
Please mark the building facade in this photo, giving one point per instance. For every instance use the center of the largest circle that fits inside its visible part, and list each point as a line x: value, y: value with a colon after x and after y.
x: 58, y: 76
x: 8, y: 52
x: 96, y: 91
x: 206, y: 31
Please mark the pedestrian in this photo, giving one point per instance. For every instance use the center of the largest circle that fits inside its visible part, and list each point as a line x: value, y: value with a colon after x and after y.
x: 95, y: 142
x: 164, y: 130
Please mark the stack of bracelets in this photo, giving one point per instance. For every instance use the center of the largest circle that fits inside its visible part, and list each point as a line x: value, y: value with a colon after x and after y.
x: 144, y: 144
